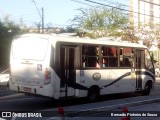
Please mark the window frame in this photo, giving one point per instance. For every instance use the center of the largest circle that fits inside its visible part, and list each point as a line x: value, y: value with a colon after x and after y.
x: 118, y: 57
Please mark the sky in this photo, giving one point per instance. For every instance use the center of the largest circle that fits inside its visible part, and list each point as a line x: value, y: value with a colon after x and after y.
x: 56, y: 12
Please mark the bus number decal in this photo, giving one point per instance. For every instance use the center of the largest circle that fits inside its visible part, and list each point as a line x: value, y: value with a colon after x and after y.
x: 39, y: 67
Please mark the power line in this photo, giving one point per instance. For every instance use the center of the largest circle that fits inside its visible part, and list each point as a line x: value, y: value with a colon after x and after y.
x: 119, y: 8
x: 111, y: 2
x: 105, y: 5
x: 91, y: 5
x: 37, y: 8
x: 82, y: 2
x: 152, y: 3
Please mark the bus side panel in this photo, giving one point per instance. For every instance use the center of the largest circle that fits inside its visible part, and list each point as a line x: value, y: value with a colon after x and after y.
x: 80, y: 79
x: 56, y: 85
x: 109, y: 82
x: 119, y: 81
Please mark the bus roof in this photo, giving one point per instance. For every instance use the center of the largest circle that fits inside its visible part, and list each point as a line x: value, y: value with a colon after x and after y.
x: 72, y: 39
x: 105, y: 41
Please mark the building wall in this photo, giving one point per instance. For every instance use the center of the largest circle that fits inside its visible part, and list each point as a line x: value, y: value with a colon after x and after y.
x: 146, y: 12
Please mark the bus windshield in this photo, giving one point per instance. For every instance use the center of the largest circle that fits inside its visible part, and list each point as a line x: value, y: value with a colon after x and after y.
x: 148, y: 60
x: 29, y: 48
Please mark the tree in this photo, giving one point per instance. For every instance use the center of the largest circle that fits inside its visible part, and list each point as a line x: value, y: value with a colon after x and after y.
x: 101, y: 21
x: 148, y: 35
x: 70, y: 29
x: 8, y: 29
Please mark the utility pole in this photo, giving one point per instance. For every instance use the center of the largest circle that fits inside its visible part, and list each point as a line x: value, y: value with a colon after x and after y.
x: 41, y: 16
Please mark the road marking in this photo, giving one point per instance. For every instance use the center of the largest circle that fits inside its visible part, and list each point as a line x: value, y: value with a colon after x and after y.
x: 20, y: 99
x: 15, y: 95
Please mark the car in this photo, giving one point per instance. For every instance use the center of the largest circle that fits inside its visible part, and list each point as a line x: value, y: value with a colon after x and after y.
x: 4, y: 78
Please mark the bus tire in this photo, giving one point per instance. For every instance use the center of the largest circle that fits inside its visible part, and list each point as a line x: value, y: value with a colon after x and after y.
x: 147, y: 89
x: 93, y: 93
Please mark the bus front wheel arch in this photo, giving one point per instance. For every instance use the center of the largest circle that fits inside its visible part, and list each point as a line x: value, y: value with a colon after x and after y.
x: 147, y: 88
x: 93, y: 93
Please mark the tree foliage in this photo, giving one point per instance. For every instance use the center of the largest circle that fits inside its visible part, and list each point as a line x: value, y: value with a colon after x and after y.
x: 150, y: 35
x: 146, y: 34
x: 8, y: 29
x: 101, y: 21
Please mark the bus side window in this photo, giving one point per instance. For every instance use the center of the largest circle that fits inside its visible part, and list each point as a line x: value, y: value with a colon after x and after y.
x: 110, y: 56
x: 126, y: 57
x: 84, y: 61
x: 84, y: 54
x: 92, y: 62
x: 126, y: 62
x: 90, y: 56
x: 148, y: 60
x: 104, y: 62
x: 113, y: 62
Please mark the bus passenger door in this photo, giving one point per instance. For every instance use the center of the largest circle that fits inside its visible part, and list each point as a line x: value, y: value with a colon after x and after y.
x: 68, y: 69
x: 139, y: 66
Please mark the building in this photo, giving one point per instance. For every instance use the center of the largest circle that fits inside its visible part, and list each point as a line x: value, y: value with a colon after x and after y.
x: 146, y: 12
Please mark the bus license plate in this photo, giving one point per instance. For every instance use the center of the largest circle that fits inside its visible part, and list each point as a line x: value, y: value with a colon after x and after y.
x: 27, y: 89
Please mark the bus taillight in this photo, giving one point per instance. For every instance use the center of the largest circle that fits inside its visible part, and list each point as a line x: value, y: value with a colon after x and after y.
x: 47, y: 79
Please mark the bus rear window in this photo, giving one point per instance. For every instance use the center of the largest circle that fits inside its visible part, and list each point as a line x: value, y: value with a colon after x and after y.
x: 29, y: 48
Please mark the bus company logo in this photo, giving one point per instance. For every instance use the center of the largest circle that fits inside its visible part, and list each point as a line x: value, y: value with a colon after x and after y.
x: 6, y: 114
x: 96, y: 76
x: 39, y: 67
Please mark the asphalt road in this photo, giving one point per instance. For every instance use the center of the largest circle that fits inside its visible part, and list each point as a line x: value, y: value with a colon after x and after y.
x: 11, y: 101
x: 20, y: 102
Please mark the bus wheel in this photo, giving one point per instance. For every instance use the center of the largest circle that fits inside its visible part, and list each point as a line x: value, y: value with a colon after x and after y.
x: 93, y: 94
x: 147, y: 89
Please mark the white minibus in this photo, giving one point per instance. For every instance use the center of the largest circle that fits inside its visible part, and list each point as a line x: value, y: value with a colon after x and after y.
x: 60, y: 66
